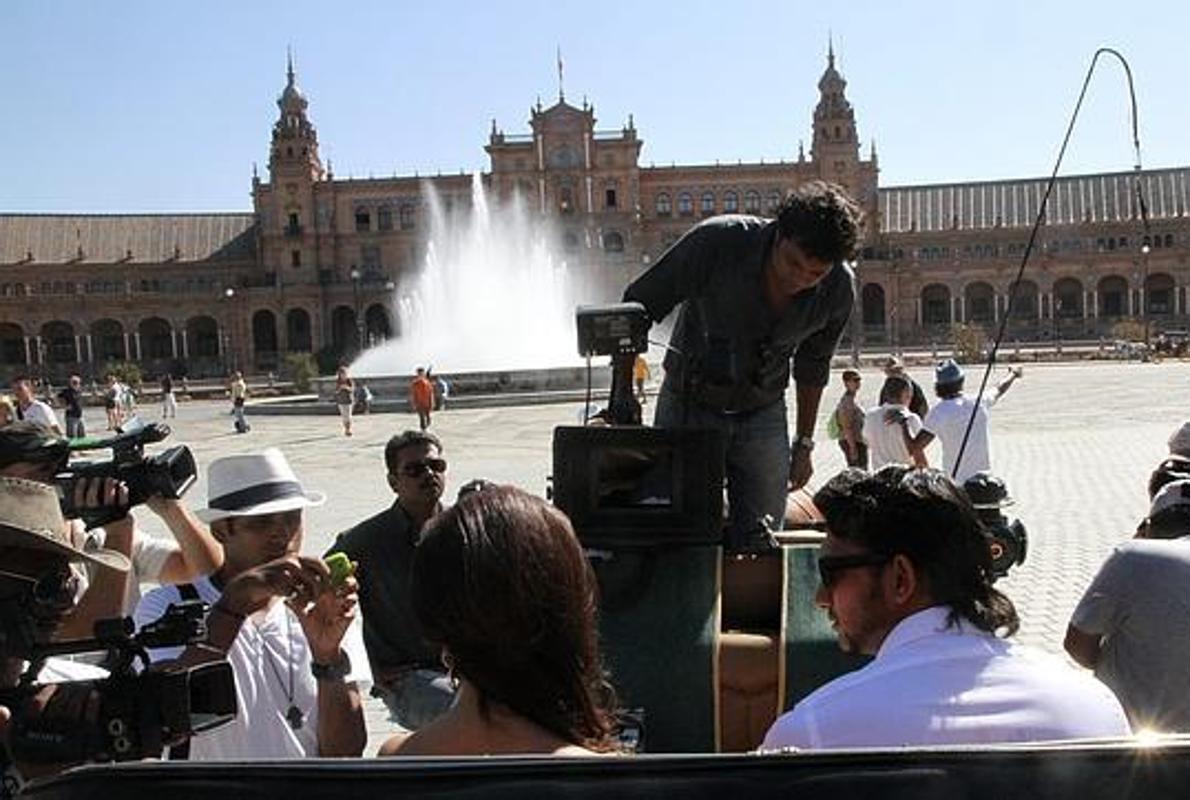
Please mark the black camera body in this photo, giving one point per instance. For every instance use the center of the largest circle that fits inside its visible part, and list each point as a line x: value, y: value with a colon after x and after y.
x: 1007, y: 539
x: 129, y: 715
x: 167, y: 474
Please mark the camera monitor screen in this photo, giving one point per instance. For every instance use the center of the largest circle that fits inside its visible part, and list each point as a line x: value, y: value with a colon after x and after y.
x: 630, y: 486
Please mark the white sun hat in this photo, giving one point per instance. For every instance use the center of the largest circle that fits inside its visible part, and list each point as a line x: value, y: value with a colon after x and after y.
x: 251, y: 485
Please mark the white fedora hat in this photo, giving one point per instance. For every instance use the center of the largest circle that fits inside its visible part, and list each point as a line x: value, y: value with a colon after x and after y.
x: 250, y: 485
x: 31, y: 518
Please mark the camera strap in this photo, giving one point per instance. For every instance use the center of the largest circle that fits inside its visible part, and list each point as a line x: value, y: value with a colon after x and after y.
x: 181, y: 752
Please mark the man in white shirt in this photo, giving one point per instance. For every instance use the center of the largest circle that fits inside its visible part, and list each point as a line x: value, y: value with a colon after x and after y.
x: 34, y: 410
x: 906, y: 576
x: 893, y: 443
x: 276, y: 617
x: 948, y: 419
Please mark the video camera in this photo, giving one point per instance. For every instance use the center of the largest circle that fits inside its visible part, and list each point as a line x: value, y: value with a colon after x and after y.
x: 168, y: 474
x: 126, y: 716
x: 1007, y: 539
x: 619, y: 330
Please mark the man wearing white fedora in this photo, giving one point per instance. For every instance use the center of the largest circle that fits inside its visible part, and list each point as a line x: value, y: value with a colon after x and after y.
x: 37, y: 590
x: 276, y: 618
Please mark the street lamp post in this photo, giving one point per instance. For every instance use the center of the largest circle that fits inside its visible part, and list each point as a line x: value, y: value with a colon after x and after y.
x: 229, y: 360
x: 1144, y: 291
x: 359, y: 322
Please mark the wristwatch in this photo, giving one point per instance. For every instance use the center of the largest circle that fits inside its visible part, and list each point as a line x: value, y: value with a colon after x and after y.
x: 337, y: 670
x: 804, y: 442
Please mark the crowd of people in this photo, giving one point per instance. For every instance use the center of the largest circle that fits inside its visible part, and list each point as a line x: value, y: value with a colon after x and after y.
x: 478, y: 620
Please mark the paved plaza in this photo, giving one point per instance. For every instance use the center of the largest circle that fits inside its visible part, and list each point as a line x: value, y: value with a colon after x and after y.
x: 1075, y: 442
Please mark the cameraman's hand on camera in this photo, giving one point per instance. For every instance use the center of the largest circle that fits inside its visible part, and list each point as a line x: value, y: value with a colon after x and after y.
x: 108, y: 493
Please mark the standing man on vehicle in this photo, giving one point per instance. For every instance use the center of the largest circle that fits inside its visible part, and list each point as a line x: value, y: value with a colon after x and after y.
x: 755, y: 296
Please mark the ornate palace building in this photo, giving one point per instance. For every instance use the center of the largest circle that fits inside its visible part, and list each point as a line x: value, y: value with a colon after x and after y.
x: 314, y: 265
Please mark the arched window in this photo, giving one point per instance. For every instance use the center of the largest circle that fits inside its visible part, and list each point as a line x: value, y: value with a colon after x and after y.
x: 384, y: 218
x: 664, y: 205
x: 731, y: 202
x: 708, y: 203
x: 613, y: 242
x: 774, y: 200
x: 752, y: 202
x: 685, y: 204
x: 363, y: 219
x: 407, y: 217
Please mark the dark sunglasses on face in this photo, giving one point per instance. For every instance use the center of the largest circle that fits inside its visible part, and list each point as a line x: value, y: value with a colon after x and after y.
x: 415, y: 468
x: 52, y: 589
x: 830, y: 567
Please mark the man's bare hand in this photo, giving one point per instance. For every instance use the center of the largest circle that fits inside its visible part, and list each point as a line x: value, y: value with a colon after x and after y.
x: 801, y: 468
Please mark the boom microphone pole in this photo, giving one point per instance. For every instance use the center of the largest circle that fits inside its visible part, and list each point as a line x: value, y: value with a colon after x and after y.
x: 1049, y: 187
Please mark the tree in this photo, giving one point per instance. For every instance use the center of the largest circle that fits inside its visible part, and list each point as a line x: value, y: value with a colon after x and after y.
x: 968, y: 342
x: 302, y: 369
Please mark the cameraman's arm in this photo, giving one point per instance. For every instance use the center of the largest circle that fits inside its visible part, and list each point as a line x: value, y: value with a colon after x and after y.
x: 199, y: 553
x: 108, y: 588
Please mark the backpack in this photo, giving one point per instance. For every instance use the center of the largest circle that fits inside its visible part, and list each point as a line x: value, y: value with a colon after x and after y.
x: 833, y: 431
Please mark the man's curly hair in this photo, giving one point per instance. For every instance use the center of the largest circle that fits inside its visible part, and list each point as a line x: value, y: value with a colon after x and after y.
x: 823, y: 219
x: 923, y: 515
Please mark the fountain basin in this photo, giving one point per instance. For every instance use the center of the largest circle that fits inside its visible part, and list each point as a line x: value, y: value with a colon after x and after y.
x: 477, y: 389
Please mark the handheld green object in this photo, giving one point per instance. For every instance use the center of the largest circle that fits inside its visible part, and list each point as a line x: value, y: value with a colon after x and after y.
x: 341, y: 567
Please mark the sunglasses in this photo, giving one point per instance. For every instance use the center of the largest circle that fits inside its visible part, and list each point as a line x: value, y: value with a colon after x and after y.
x: 830, y: 567
x: 415, y: 468
x: 52, y: 589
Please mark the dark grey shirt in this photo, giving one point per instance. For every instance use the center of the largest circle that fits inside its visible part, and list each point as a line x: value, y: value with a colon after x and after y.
x: 383, y: 547
x: 731, y: 352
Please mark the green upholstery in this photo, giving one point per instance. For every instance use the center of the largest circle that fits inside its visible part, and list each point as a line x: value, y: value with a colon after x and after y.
x: 659, y: 619
x: 812, y: 656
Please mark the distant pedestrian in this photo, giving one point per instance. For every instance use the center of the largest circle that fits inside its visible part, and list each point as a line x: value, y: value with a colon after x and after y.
x: 893, y: 365
x: 640, y: 374
x: 31, y: 409
x: 892, y: 430
x: 239, y: 396
x: 344, y: 397
x: 421, y: 397
x: 363, y: 398
x: 169, y: 403
x: 849, y: 419
x: 112, y: 404
x: 72, y: 400
x: 441, y: 392
x: 948, y: 421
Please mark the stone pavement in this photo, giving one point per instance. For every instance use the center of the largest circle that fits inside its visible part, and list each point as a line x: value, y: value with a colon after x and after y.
x: 1074, y: 442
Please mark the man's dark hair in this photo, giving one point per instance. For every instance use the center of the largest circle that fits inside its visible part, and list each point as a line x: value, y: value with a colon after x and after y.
x: 1173, y: 468
x: 949, y: 390
x: 850, y: 375
x: 823, y: 219
x: 923, y: 515
x: 501, y: 583
x: 407, y: 439
x: 894, y: 386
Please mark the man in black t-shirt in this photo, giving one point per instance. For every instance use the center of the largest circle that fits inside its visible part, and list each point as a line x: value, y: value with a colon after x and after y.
x: 71, y: 398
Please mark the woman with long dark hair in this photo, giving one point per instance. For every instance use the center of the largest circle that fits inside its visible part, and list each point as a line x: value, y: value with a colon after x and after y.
x: 501, y: 585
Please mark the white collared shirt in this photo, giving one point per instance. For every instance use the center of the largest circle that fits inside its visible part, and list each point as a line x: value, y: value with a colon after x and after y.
x: 936, y: 685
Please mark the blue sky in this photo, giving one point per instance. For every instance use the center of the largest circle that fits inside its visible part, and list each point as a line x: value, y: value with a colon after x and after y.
x: 148, y: 105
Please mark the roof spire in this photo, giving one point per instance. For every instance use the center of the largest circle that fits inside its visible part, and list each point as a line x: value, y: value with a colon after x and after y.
x: 561, y: 91
x: 830, y: 48
x: 289, y: 64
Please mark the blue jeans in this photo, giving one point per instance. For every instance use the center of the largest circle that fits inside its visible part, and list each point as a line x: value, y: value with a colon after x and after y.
x: 756, y: 457
x: 417, y: 697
